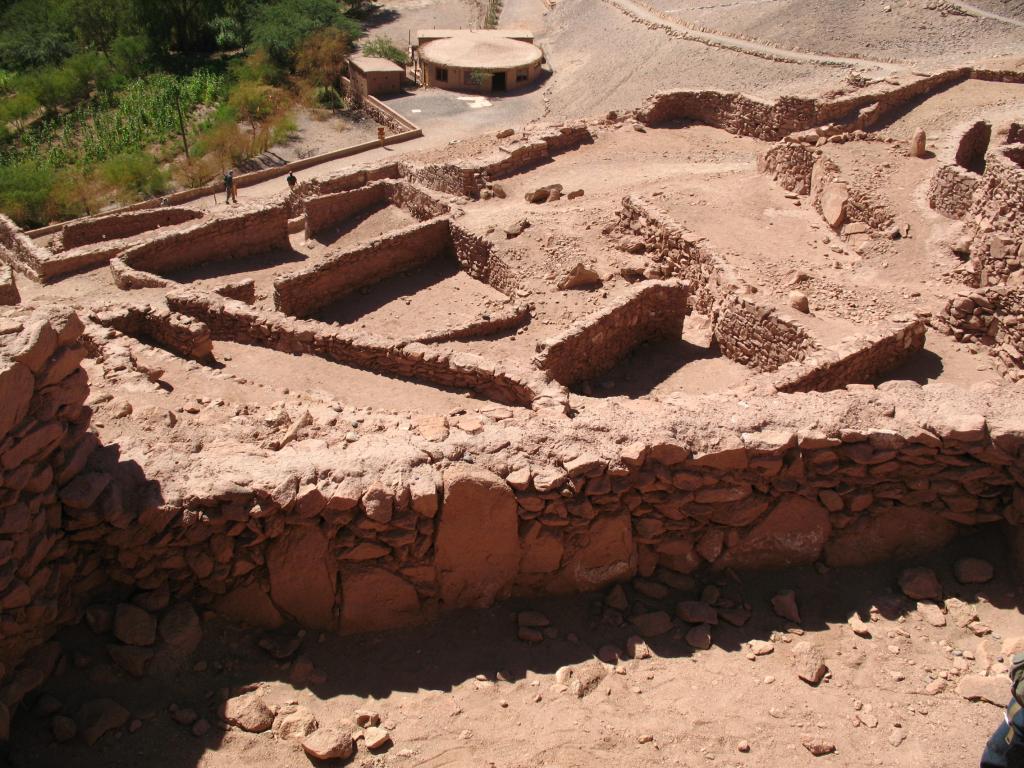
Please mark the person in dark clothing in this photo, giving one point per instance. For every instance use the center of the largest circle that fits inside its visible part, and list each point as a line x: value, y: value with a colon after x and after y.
x: 1005, y: 749
x: 292, y: 181
x: 230, y: 190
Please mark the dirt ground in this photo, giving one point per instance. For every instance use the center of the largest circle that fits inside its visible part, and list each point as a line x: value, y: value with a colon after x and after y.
x: 465, y: 692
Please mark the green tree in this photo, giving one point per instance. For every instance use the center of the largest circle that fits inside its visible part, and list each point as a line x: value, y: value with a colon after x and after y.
x: 35, y: 33
x: 179, y: 25
x: 256, y: 105
x: 17, y: 109
x: 323, y: 57
x: 280, y: 26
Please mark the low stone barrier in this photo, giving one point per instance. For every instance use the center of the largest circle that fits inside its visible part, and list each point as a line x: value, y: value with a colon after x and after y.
x: 170, y: 330
x: 598, y: 342
x: 19, y: 252
x: 859, y: 360
x: 302, y: 293
x: 992, y: 317
x: 120, y: 225
x: 8, y: 288
x: 746, y: 331
x: 219, y: 238
x: 503, y: 383
x: 330, y: 210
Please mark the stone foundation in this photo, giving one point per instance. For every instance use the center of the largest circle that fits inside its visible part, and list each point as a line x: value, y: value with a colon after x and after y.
x: 120, y: 225
x: 177, y: 333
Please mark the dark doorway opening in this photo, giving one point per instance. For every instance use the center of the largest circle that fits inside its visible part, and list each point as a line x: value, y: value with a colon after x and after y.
x: 498, y: 82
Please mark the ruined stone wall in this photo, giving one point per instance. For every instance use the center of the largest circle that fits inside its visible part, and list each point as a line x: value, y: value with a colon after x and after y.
x: 841, y: 200
x: 594, y: 344
x: 952, y: 190
x: 745, y: 330
x: 233, y: 321
x: 179, y: 334
x: 468, y: 177
x: 860, y: 360
x: 219, y: 238
x: 992, y: 317
x: 45, y: 444
x: 86, y: 231
x: 326, y: 211
x: 789, y: 163
x: 304, y: 292
x: 8, y: 287
x: 478, y: 258
x: 749, y: 334
x: 19, y: 252
x: 999, y: 200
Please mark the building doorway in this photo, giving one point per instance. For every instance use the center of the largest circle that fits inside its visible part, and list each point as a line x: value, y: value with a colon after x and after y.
x: 498, y: 82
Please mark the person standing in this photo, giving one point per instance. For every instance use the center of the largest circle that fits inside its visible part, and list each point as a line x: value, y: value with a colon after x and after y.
x: 292, y: 181
x: 230, y: 190
x: 1005, y: 749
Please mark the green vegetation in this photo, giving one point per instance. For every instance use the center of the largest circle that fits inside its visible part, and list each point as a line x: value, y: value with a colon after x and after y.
x: 111, y: 101
x: 385, y: 49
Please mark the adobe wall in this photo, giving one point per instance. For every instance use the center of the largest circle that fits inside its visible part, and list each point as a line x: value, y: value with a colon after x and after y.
x: 302, y: 293
x: 745, y: 330
x: 504, y: 383
x: 219, y: 238
x: 596, y: 343
x: 87, y: 231
x: 859, y: 360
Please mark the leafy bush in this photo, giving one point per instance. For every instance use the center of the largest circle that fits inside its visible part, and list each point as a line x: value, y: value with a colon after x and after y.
x: 280, y: 26
x: 385, y: 49
x: 136, y: 173
x: 323, y: 57
x: 25, y: 190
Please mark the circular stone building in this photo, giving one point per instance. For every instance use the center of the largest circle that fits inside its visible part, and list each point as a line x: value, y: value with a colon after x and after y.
x: 483, y: 61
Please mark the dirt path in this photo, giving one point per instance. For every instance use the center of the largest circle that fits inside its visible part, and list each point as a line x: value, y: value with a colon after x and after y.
x: 646, y: 15
x: 974, y: 10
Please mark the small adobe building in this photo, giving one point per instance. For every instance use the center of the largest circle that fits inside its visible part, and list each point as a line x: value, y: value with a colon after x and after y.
x: 374, y: 76
x: 477, y: 60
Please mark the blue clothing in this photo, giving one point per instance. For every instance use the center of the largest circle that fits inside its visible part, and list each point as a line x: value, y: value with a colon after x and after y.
x: 1006, y: 747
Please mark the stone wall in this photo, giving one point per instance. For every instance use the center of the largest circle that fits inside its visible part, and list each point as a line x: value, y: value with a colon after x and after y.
x: 478, y: 258
x: 86, y: 231
x: 468, y: 177
x: 221, y: 237
x: 330, y: 210
x: 304, y: 292
x: 504, y: 383
x: 789, y: 163
x: 158, y: 325
x: 746, y: 331
x: 8, y: 288
x: 19, y: 252
x: 992, y: 317
x: 951, y: 191
x: 858, y: 360
x: 596, y: 343
x: 45, y: 445
x: 841, y: 200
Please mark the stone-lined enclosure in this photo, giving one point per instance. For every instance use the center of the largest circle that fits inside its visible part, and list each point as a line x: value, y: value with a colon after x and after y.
x: 541, y: 490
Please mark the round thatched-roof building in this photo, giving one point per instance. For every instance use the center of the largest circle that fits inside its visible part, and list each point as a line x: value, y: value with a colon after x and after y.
x: 478, y: 60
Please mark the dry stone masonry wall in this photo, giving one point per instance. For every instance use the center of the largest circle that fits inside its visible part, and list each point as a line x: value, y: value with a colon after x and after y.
x: 596, y: 343
x: 88, y: 231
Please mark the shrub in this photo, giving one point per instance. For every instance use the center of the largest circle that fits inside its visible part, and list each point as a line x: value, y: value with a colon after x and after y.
x: 136, y: 173
x: 25, y: 190
x: 385, y: 49
x: 323, y: 56
x: 279, y: 27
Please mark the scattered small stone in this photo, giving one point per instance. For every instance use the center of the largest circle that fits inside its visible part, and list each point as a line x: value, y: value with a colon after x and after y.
x: 859, y: 626
x: 134, y: 626
x: 375, y: 737
x: 932, y: 614
x: 920, y: 584
x: 699, y: 637
x: 636, y: 648
x: 784, y: 605
x: 761, y: 647
x: 897, y: 736
x: 329, y: 743
x: 532, y: 619
x: 645, y: 738
x: 248, y: 712
x: 99, y: 716
x: 743, y: 746
x: 798, y: 301
x: 809, y: 661
x: 63, y: 728
x: 818, y: 746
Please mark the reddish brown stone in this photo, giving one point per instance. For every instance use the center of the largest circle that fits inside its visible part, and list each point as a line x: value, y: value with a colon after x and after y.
x: 375, y: 599
x: 302, y: 576
x: 793, y: 533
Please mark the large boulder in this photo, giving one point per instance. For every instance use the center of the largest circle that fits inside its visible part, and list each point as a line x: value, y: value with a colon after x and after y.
x: 793, y: 533
x: 606, y: 556
x: 376, y: 599
x: 896, y: 533
x: 477, y: 545
x: 302, y: 576
x: 834, y: 198
x: 249, y: 604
